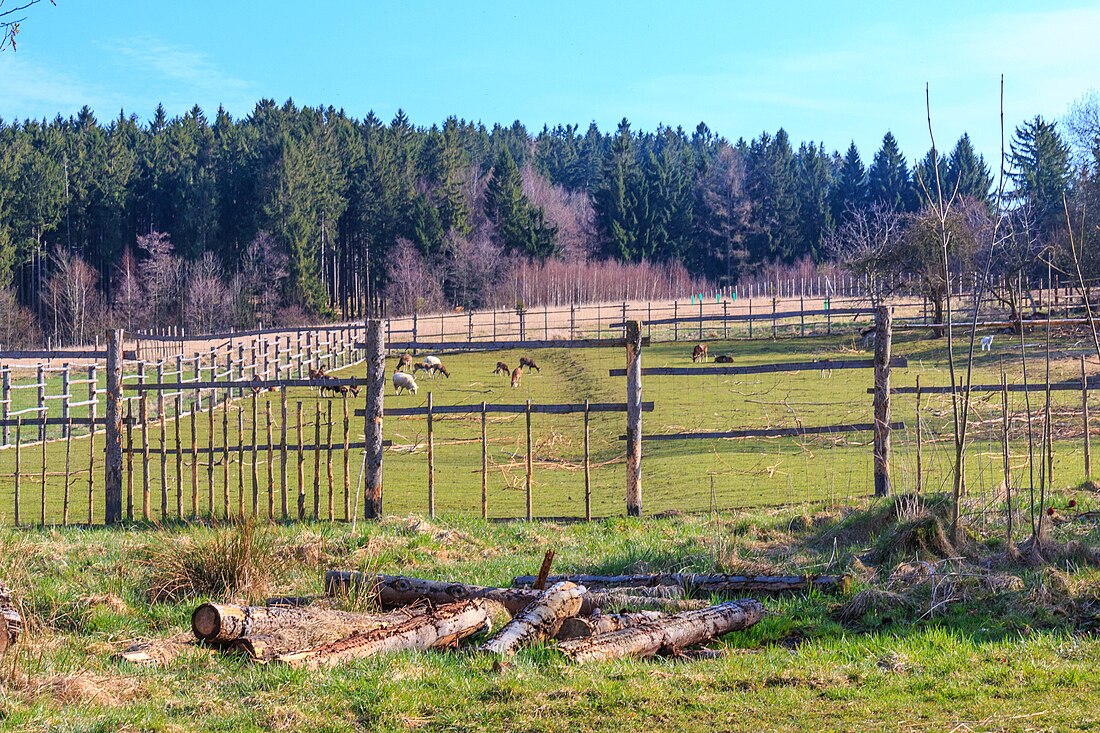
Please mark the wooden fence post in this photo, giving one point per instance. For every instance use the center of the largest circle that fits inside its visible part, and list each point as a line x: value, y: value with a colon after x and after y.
x: 883, y: 338
x: 633, y: 419
x: 112, y: 490
x: 66, y: 398
x: 587, y: 467
x: 484, y: 467
x: 1085, y: 420
x: 530, y: 512
x: 431, y: 460
x: 5, y: 402
x: 375, y: 394
x: 42, y: 413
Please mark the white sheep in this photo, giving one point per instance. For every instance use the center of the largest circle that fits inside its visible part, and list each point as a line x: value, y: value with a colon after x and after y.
x: 401, y: 381
x: 987, y: 343
x: 433, y: 361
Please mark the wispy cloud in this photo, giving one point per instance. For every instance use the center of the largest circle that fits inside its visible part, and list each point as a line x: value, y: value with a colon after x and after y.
x: 30, y: 90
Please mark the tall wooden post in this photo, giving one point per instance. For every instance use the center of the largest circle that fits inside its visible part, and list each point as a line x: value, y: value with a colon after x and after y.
x: 1085, y: 419
x: 5, y: 404
x: 431, y: 460
x: 376, y: 386
x: 528, y: 461
x: 113, y: 467
x: 633, y: 419
x: 883, y: 339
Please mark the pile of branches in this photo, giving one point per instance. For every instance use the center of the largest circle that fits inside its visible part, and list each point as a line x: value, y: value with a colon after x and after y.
x: 605, y: 621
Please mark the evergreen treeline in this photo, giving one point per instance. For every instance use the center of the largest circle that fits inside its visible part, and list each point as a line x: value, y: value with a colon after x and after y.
x: 295, y: 212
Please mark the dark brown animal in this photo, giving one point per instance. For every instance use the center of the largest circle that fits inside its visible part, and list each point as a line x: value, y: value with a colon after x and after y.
x: 502, y: 369
x: 440, y: 369
x: 526, y: 362
x: 421, y: 366
x: 723, y: 359
x: 699, y: 352
x: 517, y: 374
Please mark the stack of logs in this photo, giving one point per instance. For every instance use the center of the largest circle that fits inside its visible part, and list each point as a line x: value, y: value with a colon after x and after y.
x: 603, y: 618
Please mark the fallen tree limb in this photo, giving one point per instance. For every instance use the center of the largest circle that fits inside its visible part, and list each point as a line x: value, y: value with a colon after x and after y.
x: 393, y: 591
x: 265, y: 647
x: 581, y: 627
x: 702, y: 583
x: 439, y: 627
x: 159, y: 651
x: 11, y: 622
x: 540, y: 620
x: 666, y: 635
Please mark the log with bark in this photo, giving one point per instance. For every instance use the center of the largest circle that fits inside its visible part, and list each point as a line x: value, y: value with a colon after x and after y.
x: 393, y: 591
x: 439, y: 627
x: 581, y: 627
x: 538, y: 621
x: 11, y: 622
x: 265, y: 632
x: 702, y: 583
x: 666, y: 635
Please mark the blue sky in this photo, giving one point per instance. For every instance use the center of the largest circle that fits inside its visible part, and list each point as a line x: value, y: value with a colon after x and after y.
x: 832, y: 72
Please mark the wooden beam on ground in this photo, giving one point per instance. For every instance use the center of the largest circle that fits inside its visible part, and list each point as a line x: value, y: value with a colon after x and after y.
x: 771, y: 432
x: 538, y: 621
x: 582, y: 627
x: 795, y: 366
x: 702, y: 583
x: 666, y: 635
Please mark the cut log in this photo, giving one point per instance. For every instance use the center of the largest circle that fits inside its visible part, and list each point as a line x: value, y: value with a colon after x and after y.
x: 265, y: 647
x: 539, y: 621
x: 667, y: 635
x: 11, y: 622
x: 581, y: 627
x: 702, y: 583
x: 159, y: 651
x: 393, y: 591
x: 440, y: 627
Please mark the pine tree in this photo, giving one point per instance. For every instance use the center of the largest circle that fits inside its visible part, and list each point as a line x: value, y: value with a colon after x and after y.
x: 615, y: 198
x: 849, y: 194
x: 1041, y: 171
x: 888, y: 181
x: 772, y: 183
x: 813, y: 186
x: 506, y: 205
x: 968, y: 173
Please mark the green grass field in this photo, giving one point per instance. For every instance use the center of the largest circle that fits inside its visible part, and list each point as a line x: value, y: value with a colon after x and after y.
x: 1019, y: 658
x: 685, y: 475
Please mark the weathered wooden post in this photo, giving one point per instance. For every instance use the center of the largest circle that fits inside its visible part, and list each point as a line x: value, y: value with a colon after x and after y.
x: 883, y: 339
x: 66, y: 398
x: 633, y: 419
x: 431, y: 459
x: 528, y: 461
x: 587, y: 466
x: 113, y: 467
x: 1085, y: 419
x: 5, y: 403
x: 42, y: 413
x: 375, y: 395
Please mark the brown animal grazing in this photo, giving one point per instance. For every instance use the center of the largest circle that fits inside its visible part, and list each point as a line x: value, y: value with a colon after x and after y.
x: 404, y: 363
x: 516, y: 375
x: 440, y: 369
x: 502, y: 369
x: 421, y: 366
x: 699, y: 352
x: 318, y: 373
x: 526, y: 362
x: 723, y: 359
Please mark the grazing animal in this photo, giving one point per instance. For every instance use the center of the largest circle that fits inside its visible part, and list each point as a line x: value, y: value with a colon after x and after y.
x: 404, y: 363
x: 432, y: 360
x: 517, y: 374
x: 526, y: 362
x: 723, y: 359
x: 403, y: 381
x: 699, y: 352
x: 867, y: 333
x: 502, y: 369
x: 423, y: 366
x: 987, y: 343
x: 440, y: 369
x: 318, y: 373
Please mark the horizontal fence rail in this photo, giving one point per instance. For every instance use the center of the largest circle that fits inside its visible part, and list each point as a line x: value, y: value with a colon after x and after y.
x: 770, y: 432
x: 548, y: 409
x: 797, y: 366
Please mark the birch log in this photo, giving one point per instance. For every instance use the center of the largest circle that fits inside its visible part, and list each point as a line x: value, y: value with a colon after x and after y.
x: 265, y: 647
x: 11, y: 622
x: 701, y: 583
x: 667, y: 634
x: 393, y: 591
x: 581, y: 627
x: 540, y: 620
x: 437, y: 628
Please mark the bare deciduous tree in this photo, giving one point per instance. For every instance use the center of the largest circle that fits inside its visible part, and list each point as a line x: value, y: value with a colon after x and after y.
x: 75, y: 303
x: 208, y: 298
x: 17, y: 325
x: 867, y: 245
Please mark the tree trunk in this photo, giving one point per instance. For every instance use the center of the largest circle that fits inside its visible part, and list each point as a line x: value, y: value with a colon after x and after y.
x: 581, y: 627
x: 440, y: 627
x: 667, y: 634
x: 11, y: 622
x: 540, y: 620
x: 701, y: 584
x: 392, y: 591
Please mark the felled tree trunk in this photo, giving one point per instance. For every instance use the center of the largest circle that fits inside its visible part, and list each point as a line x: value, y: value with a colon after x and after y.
x: 11, y: 622
x: 540, y: 620
x: 437, y: 628
x: 393, y: 591
x: 581, y: 627
x: 667, y: 634
x: 702, y: 583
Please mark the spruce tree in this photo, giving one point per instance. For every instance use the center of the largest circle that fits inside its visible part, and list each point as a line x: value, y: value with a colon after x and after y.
x: 968, y: 173
x: 888, y: 181
x: 1041, y: 171
x: 849, y: 194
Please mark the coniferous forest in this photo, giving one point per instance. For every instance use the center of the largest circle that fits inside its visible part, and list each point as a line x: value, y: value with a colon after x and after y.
x: 297, y: 213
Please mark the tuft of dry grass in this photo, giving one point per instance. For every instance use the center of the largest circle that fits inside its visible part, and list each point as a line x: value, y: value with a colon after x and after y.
x: 237, y: 562
x: 867, y: 601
